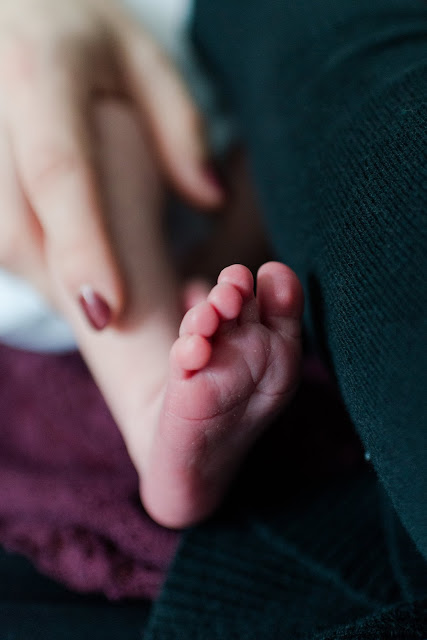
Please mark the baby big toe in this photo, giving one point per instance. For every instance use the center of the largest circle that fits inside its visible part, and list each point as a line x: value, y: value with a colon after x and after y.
x: 280, y: 296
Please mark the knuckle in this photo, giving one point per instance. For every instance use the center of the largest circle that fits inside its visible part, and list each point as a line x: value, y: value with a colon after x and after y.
x: 72, y: 264
x: 26, y: 50
x: 53, y: 165
x: 18, y: 59
x: 11, y: 245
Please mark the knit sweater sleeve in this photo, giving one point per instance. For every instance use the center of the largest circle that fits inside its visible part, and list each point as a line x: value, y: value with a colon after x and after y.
x: 331, y: 99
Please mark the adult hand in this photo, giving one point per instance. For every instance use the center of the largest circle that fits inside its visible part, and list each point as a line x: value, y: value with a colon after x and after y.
x: 55, y: 58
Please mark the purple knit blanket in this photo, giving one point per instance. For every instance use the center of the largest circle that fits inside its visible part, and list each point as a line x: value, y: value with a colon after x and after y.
x: 68, y: 491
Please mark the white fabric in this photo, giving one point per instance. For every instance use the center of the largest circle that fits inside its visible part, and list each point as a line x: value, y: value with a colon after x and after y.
x: 25, y: 319
x: 27, y: 322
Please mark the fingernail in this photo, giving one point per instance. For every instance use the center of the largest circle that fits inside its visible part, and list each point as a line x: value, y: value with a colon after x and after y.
x: 95, y: 308
x: 213, y: 175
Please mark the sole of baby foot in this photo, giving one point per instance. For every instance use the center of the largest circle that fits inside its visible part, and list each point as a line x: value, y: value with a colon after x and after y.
x: 235, y: 365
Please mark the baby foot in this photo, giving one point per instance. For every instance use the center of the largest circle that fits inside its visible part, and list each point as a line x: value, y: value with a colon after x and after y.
x: 234, y: 366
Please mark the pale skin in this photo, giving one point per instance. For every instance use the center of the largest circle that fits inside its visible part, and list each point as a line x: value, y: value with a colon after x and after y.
x: 56, y: 58
x: 190, y: 395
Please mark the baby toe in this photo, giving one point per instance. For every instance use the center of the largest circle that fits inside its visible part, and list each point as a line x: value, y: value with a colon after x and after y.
x: 189, y: 353
x: 280, y: 297
x: 240, y: 277
x: 226, y: 300
x: 201, y: 319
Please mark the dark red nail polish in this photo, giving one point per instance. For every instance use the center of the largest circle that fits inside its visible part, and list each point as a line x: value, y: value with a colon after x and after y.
x: 95, y: 308
x: 214, y: 175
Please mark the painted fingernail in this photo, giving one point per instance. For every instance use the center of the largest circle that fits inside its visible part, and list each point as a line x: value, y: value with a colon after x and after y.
x: 215, y: 177
x: 95, y: 308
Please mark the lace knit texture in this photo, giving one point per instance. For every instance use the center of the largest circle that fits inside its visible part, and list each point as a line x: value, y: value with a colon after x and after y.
x: 68, y: 492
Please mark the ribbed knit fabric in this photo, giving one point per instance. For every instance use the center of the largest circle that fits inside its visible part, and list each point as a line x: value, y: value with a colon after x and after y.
x: 331, y: 97
x: 319, y: 566
x: 307, y: 548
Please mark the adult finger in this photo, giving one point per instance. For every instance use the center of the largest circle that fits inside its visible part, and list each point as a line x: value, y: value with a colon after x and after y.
x: 21, y: 237
x: 48, y: 115
x: 175, y: 121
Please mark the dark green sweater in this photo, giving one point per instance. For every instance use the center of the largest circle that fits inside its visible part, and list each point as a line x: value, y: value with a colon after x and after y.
x: 331, y: 98
x: 305, y: 548
x: 323, y: 567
